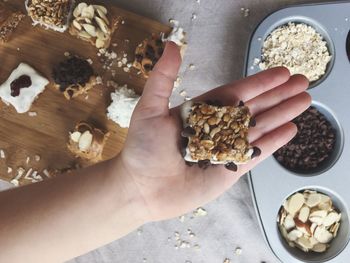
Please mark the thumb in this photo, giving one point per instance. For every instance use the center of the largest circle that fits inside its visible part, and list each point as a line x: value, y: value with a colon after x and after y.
x: 154, y: 101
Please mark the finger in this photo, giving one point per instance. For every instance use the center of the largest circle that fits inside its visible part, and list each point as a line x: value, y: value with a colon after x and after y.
x: 212, y: 182
x: 248, y: 88
x: 155, y: 98
x: 279, y: 115
x: 294, y: 86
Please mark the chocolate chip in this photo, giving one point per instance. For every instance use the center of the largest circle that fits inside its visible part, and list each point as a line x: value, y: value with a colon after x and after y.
x: 183, y: 146
x: 159, y: 42
x: 204, y: 164
x: 252, y: 122
x: 138, y: 58
x: 231, y: 166
x: 189, y: 163
x: 214, y: 103
x: 188, y: 132
x: 313, y: 144
x: 148, y: 67
x: 72, y: 71
x: 256, y: 152
x: 150, y: 52
x: 70, y: 93
x: 241, y: 103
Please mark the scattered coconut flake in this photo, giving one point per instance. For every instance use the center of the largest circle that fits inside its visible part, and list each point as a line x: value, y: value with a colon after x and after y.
x: 192, y: 67
x: 37, y: 158
x: 27, y: 160
x: 183, y: 93
x: 245, y: 12
x: 194, y: 16
x: 32, y: 114
x: 46, y: 173
x: 9, y: 170
x: 66, y: 54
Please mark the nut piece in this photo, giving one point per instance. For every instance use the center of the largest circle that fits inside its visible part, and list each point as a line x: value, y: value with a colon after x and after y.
x: 92, y: 24
x: 309, y: 221
x: 87, y: 142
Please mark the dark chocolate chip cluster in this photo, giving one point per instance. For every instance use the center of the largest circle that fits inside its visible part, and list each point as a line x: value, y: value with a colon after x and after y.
x: 73, y: 71
x: 313, y: 144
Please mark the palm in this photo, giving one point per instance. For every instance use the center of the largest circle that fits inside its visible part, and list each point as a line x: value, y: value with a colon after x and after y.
x: 170, y: 187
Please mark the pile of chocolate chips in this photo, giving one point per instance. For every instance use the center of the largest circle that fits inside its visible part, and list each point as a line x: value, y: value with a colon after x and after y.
x: 72, y: 71
x: 313, y: 144
x: 153, y: 51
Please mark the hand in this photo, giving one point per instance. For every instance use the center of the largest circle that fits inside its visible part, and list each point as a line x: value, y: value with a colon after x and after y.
x: 152, y: 158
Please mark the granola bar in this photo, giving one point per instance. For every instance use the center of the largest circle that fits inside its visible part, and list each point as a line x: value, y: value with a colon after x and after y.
x: 50, y: 14
x: 9, y: 20
x: 217, y: 135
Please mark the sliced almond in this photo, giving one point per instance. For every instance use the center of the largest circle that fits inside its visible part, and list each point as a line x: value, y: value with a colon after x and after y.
x: 102, y: 25
x: 84, y: 34
x: 101, y: 35
x: 288, y: 222
x: 77, y: 25
x: 90, y: 29
x: 103, y: 16
x: 294, y: 235
x: 100, y: 43
x: 313, y: 241
x: 304, y: 214
x: 335, y: 229
x: 88, y: 12
x: 319, y: 213
x: 85, y: 141
x: 331, y: 218
x: 317, y: 220
x: 313, y: 200
x: 319, y: 247
x: 75, y: 136
x: 87, y: 20
x: 322, y: 235
x: 304, y: 243
x: 295, y: 203
x: 313, y: 227
x: 78, y: 9
x: 101, y: 8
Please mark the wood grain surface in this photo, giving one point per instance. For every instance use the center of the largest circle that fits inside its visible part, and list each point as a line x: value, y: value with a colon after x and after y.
x: 46, y: 134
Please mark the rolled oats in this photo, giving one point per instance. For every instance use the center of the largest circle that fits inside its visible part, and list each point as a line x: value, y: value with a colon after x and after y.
x: 299, y: 48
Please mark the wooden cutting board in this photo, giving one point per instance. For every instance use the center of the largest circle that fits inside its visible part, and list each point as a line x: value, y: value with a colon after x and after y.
x: 46, y: 134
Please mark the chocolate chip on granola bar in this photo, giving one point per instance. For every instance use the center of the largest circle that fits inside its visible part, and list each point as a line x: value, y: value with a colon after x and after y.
x: 231, y: 166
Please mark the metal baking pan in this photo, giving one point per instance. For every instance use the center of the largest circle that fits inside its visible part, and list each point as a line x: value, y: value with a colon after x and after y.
x: 271, y: 183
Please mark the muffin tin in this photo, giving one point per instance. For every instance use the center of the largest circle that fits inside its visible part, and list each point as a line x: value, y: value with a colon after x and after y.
x: 270, y: 182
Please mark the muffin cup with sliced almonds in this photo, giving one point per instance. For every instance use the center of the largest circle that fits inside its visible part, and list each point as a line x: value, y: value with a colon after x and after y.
x: 309, y: 221
x: 87, y: 142
x: 90, y: 23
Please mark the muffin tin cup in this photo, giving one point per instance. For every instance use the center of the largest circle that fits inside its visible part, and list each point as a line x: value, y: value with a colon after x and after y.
x: 338, y: 243
x: 270, y: 182
x: 338, y: 147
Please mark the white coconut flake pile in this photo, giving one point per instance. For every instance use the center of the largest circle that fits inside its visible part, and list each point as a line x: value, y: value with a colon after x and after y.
x: 124, y: 101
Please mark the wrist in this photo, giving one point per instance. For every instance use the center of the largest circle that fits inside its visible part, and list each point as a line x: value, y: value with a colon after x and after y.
x: 126, y: 194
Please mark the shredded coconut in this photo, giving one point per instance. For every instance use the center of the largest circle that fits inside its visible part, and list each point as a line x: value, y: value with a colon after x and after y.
x: 124, y: 101
x: 299, y: 48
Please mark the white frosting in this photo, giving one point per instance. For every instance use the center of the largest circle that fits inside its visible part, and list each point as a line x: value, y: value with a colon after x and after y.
x: 177, y: 35
x: 124, y: 101
x: 27, y: 96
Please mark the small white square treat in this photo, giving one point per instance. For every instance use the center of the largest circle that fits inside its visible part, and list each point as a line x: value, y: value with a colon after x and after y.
x: 22, y: 98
